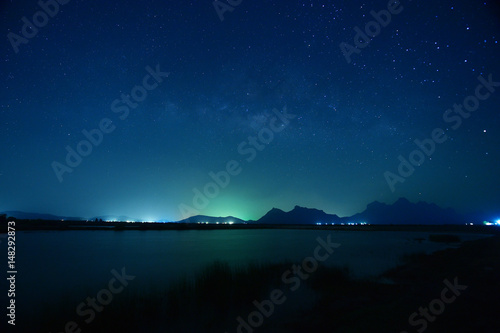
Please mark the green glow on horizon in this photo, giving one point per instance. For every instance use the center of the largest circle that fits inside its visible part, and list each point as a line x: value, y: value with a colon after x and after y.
x: 232, y: 206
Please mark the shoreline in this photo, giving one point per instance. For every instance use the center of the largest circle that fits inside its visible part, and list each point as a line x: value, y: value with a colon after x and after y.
x: 56, y: 225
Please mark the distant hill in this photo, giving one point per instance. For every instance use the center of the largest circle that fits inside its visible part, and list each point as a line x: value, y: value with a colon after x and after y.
x: 213, y: 219
x: 406, y: 212
x: 38, y: 216
x: 298, y: 215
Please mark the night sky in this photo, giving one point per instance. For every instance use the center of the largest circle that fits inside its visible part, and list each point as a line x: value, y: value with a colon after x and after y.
x: 267, y: 93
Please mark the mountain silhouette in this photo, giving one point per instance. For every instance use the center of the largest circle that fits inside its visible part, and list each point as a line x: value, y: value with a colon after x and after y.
x: 39, y: 216
x: 405, y: 212
x: 400, y: 212
x: 212, y: 219
x: 298, y: 215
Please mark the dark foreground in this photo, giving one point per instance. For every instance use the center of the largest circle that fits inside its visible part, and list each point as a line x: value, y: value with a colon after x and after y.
x: 454, y: 290
x: 418, y: 301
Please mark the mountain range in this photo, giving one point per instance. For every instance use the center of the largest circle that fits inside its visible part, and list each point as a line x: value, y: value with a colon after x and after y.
x: 400, y: 212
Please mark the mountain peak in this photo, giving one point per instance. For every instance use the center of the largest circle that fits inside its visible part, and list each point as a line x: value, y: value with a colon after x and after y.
x: 402, y: 201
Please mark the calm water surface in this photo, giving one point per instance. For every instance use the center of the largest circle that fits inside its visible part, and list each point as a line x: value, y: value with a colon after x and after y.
x: 72, y: 265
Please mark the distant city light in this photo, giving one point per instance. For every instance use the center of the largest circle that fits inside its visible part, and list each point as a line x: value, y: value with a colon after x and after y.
x: 497, y: 223
x: 348, y: 223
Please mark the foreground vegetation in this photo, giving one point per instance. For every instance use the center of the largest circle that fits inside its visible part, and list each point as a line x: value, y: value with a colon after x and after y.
x: 210, y: 302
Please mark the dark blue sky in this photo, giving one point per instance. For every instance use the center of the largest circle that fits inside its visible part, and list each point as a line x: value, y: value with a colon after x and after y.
x: 156, y: 138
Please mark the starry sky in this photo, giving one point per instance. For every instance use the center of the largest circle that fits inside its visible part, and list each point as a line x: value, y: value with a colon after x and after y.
x: 259, y: 93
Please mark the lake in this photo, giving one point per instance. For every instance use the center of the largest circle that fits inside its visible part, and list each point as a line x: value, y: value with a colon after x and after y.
x: 72, y: 265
